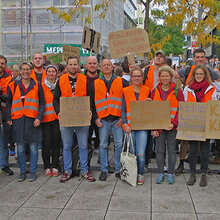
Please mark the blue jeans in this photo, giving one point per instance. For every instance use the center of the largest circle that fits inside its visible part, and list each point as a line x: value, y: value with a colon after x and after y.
x: 140, y: 143
x: 104, y: 133
x: 82, y: 138
x: 4, y: 152
x: 22, y: 156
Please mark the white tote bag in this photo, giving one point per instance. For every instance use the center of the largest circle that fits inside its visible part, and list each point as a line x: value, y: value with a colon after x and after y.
x: 128, y: 162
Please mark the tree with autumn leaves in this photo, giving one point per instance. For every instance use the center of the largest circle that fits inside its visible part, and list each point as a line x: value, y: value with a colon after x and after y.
x: 194, y: 17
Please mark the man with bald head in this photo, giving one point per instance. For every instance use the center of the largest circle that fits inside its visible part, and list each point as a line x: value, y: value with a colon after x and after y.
x: 108, y: 91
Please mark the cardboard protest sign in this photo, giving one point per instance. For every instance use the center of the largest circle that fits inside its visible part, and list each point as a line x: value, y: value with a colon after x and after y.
x: 212, y: 128
x: 148, y: 115
x: 70, y: 51
x: 91, y: 40
x: 191, y: 121
x: 54, y: 57
x: 134, y: 40
x: 74, y: 111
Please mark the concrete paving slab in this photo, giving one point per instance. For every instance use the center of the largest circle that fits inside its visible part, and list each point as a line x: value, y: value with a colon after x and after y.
x: 171, y: 198
x: 208, y: 216
x: 35, y: 214
x: 7, y: 211
x: 113, y: 215
x: 81, y: 215
x: 173, y: 216
x: 88, y: 202
x: 134, y: 203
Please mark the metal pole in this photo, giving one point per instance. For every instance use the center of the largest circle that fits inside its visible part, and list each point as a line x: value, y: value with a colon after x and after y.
x: 1, y: 52
x: 30, y: 7
x: 91, y: 14
x: 60, y: 27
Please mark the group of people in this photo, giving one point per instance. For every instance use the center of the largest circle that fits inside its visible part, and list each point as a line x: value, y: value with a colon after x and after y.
x: 32, y: 114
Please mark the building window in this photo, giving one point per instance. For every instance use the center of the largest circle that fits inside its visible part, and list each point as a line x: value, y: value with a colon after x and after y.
x: 140, y: 20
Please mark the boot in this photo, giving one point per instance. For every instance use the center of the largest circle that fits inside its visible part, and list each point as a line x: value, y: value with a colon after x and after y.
x: 192, y: 179
x: 203, y: 180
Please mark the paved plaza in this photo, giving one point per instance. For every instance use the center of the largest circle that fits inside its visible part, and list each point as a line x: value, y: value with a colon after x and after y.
x: 48, y: 199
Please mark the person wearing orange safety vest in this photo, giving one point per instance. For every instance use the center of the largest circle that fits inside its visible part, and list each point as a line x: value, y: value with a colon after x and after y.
x: 136, y: 92
x: 25, y: 108
x: 38, y: 72
x: 50, y: 125
x: 166, y: 90
x: 5, y: 80
x: 200, y: 89
x: 151, y: 72
x: 108, y: 91
x: 69, y: 85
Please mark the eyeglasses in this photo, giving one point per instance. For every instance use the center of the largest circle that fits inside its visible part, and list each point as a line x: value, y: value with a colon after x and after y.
x: 137, y: 76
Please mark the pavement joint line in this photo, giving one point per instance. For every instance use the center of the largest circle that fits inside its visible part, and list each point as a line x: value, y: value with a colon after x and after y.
x: 8, y: 182
x: 191, y: 198
x: 79, y: 182
x: 28, y: 198
x: 110, y: 198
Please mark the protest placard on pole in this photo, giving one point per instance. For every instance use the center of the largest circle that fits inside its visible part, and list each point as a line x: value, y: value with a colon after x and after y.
x: 191, y: 121
x: 134, y: 40
x: 54, y: 57
x: 148, y: 115
x: 75, y: 111
x: 70, y: 51
x: 212, y: 128
x: 91, y: 40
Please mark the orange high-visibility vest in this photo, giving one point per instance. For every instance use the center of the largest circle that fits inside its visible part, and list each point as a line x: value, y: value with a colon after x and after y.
x: 31, y: 102
x: 4, y: 83
x: 65, y: 87
x: 33, y: 76
x: 174, y: 103
x: 49, y: 112
x: 149, y: 82
x: 191, y: 97
x: 129, y: 95
x: 190, y: 73
x: 108, y: 103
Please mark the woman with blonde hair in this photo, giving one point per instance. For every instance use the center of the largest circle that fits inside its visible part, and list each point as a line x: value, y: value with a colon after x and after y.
x: 200, y: 89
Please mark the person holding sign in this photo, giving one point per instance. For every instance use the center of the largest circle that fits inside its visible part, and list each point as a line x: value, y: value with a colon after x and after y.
x: 108, y: 91
x: 167, y: 90
x: 25, y: 108
x: 133, y: 93
x: 199, y: 89
x: 69, y: 85
x: 50, y: 124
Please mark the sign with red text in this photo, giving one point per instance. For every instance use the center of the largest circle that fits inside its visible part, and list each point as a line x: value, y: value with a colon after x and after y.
x: 134, y: 40
x: 212, y: 128
x: 74, y: 111
x: 147, y: 115
x: 191, y: 121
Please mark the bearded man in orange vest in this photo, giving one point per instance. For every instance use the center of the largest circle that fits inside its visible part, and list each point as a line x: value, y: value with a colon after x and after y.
x: 108, y: 91
x: 5, y: 79
x: 38, y: 72
x: 73, y: 84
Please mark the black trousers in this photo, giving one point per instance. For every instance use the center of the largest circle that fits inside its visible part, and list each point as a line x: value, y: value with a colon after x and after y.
x: 51, y: 143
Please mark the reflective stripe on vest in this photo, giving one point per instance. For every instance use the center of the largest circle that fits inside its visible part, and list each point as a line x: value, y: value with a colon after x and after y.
x: 108, y: 104
x: 129, y: 95
x: 30, y: 108
x: 173, y: 102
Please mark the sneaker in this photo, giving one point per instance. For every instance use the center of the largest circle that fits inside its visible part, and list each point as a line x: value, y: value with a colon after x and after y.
x: 22, y: 177
x: 170, y: 178
x: 32, y: 177
x: 87, y: 176
x: 103, y: 176
x: 54, y: 172
x: 118, y: 175
x: 192, y: 179
x: 160, y: 178
x: 203, y: 180
x: 12, y: 153
x: 165, y: 169
x: 180, y: 169
x: 6, y: 170
x: 65, y: 177
x: 48, y: 172
x: 140, y: 179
